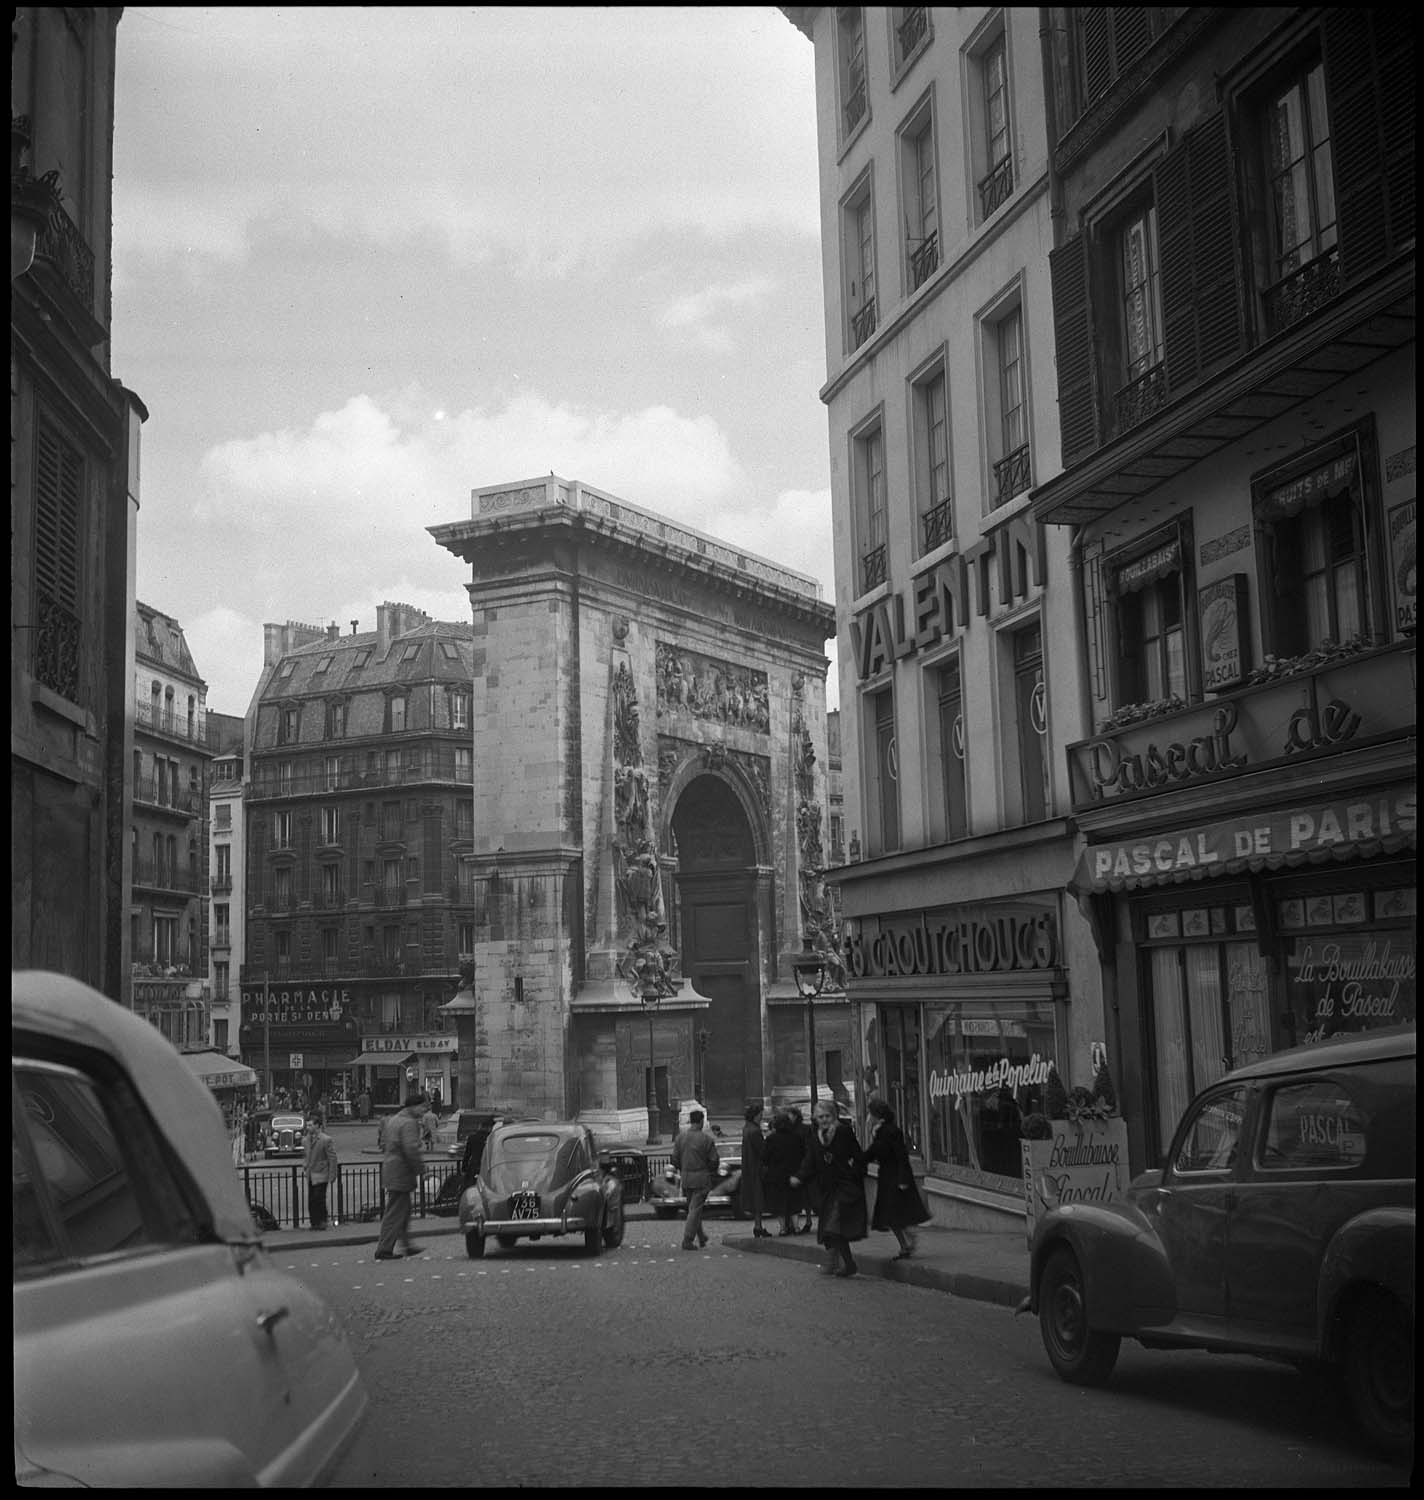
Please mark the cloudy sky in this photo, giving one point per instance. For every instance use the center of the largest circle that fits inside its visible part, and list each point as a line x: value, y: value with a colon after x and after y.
x: 366, y: 260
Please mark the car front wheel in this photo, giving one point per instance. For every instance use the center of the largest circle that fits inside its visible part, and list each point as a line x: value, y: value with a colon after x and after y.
x: 474, y: 1244
x: 1379, y: 1371
x: 1079, y: 1355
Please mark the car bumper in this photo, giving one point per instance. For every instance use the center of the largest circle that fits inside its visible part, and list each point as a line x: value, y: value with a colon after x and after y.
x: 572, y: 1225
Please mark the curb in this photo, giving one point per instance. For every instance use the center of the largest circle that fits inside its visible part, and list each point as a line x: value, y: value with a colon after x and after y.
x: 969, y: 1285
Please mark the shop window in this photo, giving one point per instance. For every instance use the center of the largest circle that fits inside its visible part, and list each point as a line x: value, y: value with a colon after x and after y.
x: 900, y: 1068
x: 1208, y: 1001
x: 974, y: 1123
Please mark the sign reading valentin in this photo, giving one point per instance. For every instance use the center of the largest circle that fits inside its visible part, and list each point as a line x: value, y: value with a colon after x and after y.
x: 1219, y: 848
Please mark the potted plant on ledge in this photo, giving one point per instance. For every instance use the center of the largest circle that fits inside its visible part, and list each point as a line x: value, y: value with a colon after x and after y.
x: 1075, y: 1151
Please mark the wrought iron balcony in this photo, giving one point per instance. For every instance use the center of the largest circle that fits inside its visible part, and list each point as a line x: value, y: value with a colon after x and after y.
x: 1013, y: 474
x: 1303, y: 292
x: 873, y: 568
x: 938, y: 525
x: 994, y: 190
x: 1141, y: 399
x: 924, y: 261
x: 156, y: 876
x: 862, y: 324
x: 221, y: 883
x: 61, y: 243
x: 912, y: 29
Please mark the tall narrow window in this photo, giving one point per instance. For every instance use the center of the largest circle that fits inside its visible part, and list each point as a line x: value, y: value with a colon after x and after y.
x: 860, y: 266
x: 932, y: 461
x: 330, y: 949
x: 398, y: 713
x: 459, y: 710
x: 59, y: 499
x: 952, y: 753
x: 333, y: 772
x: 331, y: 884
x: 922, y: 210
x: 999, y: 181
x: 1141, y: 294
x: 1318, y: 575
x: 851, y: 58
x: 331, y: 825
x: 1008, y: 430
x: 887, y: 770
x: 1300, y: 172
x: 1151, y: 642
x: 336, y: 720
x: 1031, y: 703
x: 286, y: 726
x: 282, y: 830
x: 869, y: 480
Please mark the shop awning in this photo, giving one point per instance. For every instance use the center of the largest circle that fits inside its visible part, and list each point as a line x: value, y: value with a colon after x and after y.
x: 1316, y: 833
x: 220, y: 1072
x: 381, y: 1060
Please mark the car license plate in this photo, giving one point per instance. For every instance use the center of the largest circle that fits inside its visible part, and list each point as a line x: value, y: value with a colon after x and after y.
x: 525, y: 1206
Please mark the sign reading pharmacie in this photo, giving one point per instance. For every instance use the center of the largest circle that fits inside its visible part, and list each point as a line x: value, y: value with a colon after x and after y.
x: 1383, y: 821
x: 960, y: 940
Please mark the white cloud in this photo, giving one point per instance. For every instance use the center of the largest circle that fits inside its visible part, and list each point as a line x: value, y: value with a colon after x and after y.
x: 697, y: 312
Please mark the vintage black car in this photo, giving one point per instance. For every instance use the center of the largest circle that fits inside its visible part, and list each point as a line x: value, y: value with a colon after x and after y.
x: 669, y: 1201
x: 1280, y: 1224
x: 539, y: 1179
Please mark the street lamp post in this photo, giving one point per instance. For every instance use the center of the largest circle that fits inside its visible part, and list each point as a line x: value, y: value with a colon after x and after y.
x: 809, y: 970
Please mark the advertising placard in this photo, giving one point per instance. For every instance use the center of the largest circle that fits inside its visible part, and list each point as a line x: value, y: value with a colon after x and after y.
x: 1084, y: 1163
x: 1221, y: 609
x: 1403, y: 569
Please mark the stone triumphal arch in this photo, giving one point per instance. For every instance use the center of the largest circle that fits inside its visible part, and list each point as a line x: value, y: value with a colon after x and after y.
x: 649, y: 738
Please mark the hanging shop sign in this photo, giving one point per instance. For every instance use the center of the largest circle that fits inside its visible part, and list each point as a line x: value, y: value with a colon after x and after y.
x: 953, y: 940
x: 1403, y: 569
x: 1311, y: 712
x: 403, y: 1046
x: 1380, y: 823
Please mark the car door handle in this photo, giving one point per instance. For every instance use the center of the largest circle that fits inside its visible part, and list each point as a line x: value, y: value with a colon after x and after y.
x: 267, y: 1321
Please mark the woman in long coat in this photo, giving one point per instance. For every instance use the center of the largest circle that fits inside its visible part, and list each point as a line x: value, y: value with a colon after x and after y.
x: 781, y: 1156
x: 834, y: 1173
x: 898, y: 1205
x: 753, y: 1150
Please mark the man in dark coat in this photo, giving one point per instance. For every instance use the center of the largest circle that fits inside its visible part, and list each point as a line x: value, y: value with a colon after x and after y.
x: 834, y: 1173
x: 694, y: 1154
x: 753, y: 1153
x: 781, y: 1159
x: 401, y: 1169
x: 806, y: 1134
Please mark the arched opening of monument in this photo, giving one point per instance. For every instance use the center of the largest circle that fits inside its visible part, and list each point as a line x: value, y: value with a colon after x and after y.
x: 718, y: 927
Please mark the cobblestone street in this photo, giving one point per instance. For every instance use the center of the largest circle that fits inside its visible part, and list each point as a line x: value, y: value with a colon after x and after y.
x: 649, y: 1366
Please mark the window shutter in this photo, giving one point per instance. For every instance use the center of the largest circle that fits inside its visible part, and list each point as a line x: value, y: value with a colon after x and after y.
x: 58, y: 490
x: 1097, y: 51
x: 1196, y: 224
x: 1369, y: 71
x: 1132, y: 35
x: 1073, y: 349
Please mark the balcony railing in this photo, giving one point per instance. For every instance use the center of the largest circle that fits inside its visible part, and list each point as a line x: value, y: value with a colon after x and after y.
x: 221, y: 883
x: 912, y: 29
x: 938, y: 525
x: 924, y: 261
x: 1141, y: 399
x: 176, y: 726
x: 862, y: 324
x: 158, y: 877
x: 183, y: 803
x: 872, y: 568
x: 1013, y: 474
x: 61, y: 243
x: 994, y: 190
x: 1303, y: 292
x: 305, y: 780
x: 57, y: 647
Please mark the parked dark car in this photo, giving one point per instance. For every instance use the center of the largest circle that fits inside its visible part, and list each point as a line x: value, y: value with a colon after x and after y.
x: 1281, y: 1224
x: 540, y: 1179
x: 669, y: 1201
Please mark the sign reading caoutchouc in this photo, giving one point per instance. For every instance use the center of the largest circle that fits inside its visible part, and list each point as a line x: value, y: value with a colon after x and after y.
x: 955, y: 940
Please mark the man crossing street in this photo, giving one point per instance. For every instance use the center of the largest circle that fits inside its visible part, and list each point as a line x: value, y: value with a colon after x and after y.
x: 694, y: 1154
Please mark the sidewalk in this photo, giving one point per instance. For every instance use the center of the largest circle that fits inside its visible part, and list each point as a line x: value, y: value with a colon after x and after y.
x: 979, y: 1267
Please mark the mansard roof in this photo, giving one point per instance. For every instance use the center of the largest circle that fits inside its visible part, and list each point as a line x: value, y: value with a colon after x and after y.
x: 159, y: 641
x: 353, y: 663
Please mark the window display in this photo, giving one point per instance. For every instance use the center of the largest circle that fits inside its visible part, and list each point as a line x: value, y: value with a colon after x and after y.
x: 987, y: 1062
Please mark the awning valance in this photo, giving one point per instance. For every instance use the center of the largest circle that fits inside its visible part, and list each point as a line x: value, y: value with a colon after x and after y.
x: 220, y: 1072
x: 381, y: 1060
x: 1358, y: 828
x: 1129, y: 577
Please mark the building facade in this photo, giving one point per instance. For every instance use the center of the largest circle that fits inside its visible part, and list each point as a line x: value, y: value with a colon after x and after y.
x: 227, y: 849
x: 1233, y: 290
x: 649, y: 736
x: 970, y: 970
x: 168, y: 834
x: 73, y: 507
x: 358, y: 821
